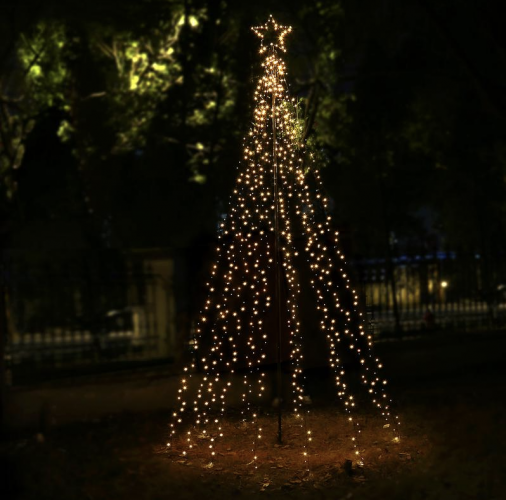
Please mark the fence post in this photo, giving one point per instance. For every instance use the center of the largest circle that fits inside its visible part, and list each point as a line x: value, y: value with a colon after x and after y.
x: 393, y: 285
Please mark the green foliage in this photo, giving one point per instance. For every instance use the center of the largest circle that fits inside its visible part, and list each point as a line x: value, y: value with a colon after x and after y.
x: 36, y: 81
x: 153, y: 97
x: 43, y: 61
x: 139, y: 70
x: 297, y: 123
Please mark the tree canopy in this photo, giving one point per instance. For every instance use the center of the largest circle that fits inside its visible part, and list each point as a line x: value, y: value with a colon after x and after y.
x: 122, y: 121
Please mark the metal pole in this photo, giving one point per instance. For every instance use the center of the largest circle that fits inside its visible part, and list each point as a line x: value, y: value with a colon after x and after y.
x: 277, y: 261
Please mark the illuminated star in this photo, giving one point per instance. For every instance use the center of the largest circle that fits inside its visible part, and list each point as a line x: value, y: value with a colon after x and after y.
x: 272, y: 34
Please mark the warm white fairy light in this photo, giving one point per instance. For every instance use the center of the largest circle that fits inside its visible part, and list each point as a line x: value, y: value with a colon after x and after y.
x: 270, y: 190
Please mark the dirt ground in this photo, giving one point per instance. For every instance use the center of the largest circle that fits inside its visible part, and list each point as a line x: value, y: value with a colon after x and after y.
x: 452, y: 447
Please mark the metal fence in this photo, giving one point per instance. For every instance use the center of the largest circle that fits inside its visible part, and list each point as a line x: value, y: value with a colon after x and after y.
x: 93, y: 312
x: 433, y: 292
x: 83, y: 313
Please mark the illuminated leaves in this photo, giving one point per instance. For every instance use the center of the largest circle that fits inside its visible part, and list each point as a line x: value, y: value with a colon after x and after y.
x: 65, y: 131
x: 42, y: 56
x: 37, y: 80
x: 141, y: 69
x: 296, y: 125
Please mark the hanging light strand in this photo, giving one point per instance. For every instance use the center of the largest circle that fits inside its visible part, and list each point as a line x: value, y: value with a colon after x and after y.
x: 239, y: 289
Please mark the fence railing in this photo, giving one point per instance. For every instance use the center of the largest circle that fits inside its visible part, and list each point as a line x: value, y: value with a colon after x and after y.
x: 433, y: 292
x: 84, y: 314
x: 77, y: 319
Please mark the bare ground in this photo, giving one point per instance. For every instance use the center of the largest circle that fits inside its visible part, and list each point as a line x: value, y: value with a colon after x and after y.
x: 452, y: 447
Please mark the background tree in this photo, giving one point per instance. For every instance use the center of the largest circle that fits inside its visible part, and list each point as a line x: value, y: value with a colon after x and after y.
x: 148, y: 99
x: 430, y: 73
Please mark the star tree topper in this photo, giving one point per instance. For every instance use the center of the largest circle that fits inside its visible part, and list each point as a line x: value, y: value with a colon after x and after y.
x: 272, y: 34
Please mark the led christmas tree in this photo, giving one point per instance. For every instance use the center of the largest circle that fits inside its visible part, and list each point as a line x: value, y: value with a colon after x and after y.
x: 256, y: 277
